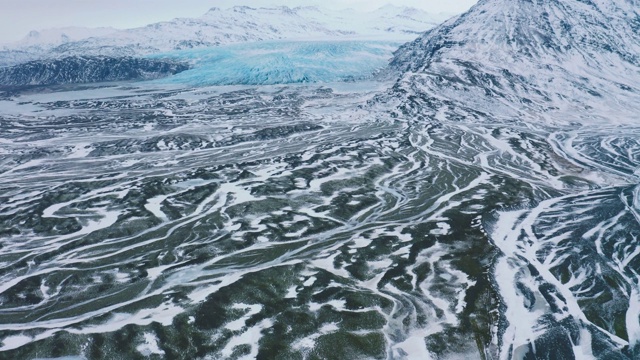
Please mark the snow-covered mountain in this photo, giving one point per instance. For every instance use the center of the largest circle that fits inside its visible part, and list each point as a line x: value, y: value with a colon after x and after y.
x: 59, y: 36
x: 543, y: 93
x: 533, y: 58
x: 226, y: 26
x: 389, y: 21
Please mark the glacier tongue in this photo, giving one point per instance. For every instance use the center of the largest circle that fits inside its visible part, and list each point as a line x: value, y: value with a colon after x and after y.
x: 282, y: 62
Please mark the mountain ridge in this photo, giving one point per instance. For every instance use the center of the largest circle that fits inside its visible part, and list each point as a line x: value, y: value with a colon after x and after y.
x: 234, y: 25
x: 87, y: 69
x: 540, y: 55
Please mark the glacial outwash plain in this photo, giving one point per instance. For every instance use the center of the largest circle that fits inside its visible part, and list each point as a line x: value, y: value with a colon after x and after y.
x: 302, y: 183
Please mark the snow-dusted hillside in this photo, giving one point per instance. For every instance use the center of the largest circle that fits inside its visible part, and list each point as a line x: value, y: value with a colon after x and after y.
x: 227, y: 26
x: 530, y: 58
x: 544, y: 96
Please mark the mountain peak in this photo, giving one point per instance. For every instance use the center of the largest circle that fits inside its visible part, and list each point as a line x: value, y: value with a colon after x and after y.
x: 242, y: 8
x: 286, y: 10
x: 534, y: 52
x: 392, y: 7
x: 307, y: 8
x: 498, y: 30
x: 221, y: 26
x: 63, y: 35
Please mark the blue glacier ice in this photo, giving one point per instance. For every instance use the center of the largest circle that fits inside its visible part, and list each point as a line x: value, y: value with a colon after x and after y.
x: 282, y: 62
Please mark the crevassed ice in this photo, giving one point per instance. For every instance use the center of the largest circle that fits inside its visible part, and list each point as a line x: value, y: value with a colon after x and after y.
x: 282, y: 62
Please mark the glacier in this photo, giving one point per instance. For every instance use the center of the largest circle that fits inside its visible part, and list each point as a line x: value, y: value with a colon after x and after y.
x: 281, y: 62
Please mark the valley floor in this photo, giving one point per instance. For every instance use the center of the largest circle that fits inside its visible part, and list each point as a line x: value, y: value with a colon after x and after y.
x: 297, y: 222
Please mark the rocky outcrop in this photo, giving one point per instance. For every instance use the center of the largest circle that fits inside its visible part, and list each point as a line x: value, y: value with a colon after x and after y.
x: 79, y: 70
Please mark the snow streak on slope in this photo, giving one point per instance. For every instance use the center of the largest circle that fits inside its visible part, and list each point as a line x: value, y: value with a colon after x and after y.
x: 282, y: 62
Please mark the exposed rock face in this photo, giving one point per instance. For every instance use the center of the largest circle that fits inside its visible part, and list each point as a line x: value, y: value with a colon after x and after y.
x: 77, y: 70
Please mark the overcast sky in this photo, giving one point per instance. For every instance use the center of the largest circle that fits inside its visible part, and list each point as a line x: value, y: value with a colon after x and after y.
x: 18, y: 17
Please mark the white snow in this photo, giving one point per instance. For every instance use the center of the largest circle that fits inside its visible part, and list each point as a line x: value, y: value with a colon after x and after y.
x: 154, y: 204
x: 14, y: 342
x: 309, y: 281
x: 150, y: 345
x: 292, y: 292
x: 250, y: 337
x: 443, y: 229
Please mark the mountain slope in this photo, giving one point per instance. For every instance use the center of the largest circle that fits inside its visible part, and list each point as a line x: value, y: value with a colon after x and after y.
x: 543, y: 96
x: 541, y: 55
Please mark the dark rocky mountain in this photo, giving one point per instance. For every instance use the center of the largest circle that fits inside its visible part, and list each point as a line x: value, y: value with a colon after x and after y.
x: 78, y: 70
